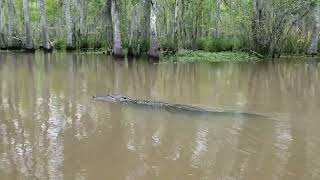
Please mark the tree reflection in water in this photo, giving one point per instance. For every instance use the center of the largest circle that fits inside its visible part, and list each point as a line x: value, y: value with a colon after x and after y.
x: 51, y: 129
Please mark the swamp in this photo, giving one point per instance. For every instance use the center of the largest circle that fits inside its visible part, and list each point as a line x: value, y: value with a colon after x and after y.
x: 251, y: 65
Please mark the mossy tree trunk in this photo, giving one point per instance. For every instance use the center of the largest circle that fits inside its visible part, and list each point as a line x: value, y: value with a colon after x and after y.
x: 153, y: 50
x: 217, y: 18
x: 260, y: 43
x: 68, y: 20
x: 80, y: 6
x: 175, y: 23
x: 11, y: 22
x: 183, y: 28
x: 44, y: 28
x: 2, y: 35
x: 117, y: 45
x: 134, y: 48
x: 27, y: 24
x: 137, y: 37
x: 313, y: 47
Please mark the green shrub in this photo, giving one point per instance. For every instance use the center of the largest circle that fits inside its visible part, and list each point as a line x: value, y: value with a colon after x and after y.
x: 91, y: 41
x: 295, y: 44
x: 168, y: 45
x: 144, y: 46
x: 218, y: 44
x: 96, y: 44
x: 125, y: 44
x: 201, y: 43
x: 60, y: 43
x: 84, y: 43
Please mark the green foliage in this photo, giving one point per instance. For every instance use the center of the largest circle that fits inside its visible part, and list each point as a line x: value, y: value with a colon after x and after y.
x: 96, y: 45
x: 53, y: 10
x: 90, y: 41
x: 192, y: 56
x: 97, y: 42
x: 295, y: 44
x: 145, y: 45
x: 60, y: 43
x: 197, y: 23
x: 125, y: 44
x: 83, y: 43
x: 218, y: 44
x: 34, y: 12
x: 168, y: 45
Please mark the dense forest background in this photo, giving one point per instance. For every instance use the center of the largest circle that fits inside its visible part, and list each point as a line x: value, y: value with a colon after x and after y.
x: 264, y: 27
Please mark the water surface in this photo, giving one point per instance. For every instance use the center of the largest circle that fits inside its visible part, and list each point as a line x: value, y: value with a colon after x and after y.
x: 50, y: 128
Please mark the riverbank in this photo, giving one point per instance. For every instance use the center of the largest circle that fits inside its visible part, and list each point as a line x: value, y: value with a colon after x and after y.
x: 183, y: 56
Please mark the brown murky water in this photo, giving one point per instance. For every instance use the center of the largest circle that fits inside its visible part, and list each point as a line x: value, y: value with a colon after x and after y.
x: 50, y: 128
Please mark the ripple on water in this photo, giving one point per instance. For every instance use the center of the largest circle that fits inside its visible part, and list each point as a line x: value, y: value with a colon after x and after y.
x: 51, y: 128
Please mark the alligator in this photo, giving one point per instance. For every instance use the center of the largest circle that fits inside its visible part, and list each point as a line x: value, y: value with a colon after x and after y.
x: 171, y: 107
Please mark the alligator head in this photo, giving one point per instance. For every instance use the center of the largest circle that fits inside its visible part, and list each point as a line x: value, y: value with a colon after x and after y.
x: 112, y: 98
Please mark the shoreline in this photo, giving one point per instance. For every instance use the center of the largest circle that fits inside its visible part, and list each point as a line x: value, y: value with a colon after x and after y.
x: 182, y: 55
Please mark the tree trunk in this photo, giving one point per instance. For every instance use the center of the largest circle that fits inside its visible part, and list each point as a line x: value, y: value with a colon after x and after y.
x: 2, y: 40
x: 175, y: 24
x: 313, y: 47
x: 68, y: 24
x: 164, y: 21
x: 81, y: 12
x: 117, y: 47
x: 183, y: 30
x: 28, y: 43
x: 153, y: 50
x: 217, y: 19
x: 269, y: 22
x: 136, y: 38
x: 193, y: 30
x: 258, y: 26
x: 201, y: 33
x: 43, y: 21
x: 11, y: 19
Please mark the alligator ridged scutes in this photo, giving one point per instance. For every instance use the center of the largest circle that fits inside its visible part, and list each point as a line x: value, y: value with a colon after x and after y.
x: 170, y: 107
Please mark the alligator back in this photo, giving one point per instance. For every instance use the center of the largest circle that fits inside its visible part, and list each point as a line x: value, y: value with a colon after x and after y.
x: 172, y: 107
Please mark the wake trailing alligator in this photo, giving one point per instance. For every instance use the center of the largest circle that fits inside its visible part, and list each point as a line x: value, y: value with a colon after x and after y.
x: 170, y: 107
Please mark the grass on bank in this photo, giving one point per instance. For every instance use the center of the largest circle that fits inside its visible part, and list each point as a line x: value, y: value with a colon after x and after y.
x: 197, y: 56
